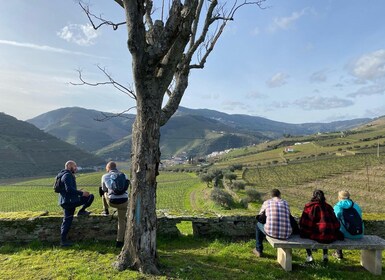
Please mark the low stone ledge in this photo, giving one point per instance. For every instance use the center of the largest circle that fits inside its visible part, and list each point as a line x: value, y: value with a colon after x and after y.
x: 47, y: 228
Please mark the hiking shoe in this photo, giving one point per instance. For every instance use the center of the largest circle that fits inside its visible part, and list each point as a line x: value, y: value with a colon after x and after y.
x: 66, y: 244
x: 83, y: 213
x: 309, y: 259
x: 257, y: 253
x: 119, y: 244
x: 325, y: 258
x: 105, y: 213
x: 337, y: 256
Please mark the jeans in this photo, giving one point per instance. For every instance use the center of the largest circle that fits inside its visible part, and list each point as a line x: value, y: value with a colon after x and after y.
x: 259, y: 236
x: 69, y: 212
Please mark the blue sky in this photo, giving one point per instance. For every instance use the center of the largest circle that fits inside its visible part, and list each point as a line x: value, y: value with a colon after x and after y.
x: 296, y: 61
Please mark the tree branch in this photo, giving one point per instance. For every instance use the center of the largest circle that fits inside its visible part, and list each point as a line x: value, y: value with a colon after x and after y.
x: 108, y: 117
x: 111, y: 81
x: 103, y: 21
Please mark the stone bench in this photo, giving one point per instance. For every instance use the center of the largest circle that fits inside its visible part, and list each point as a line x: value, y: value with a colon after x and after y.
x: 371, y: 247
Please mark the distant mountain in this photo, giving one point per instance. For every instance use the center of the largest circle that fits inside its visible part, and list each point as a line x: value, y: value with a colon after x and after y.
x: 88, y: 129
x: 189, y: 131
x: 27, y: 151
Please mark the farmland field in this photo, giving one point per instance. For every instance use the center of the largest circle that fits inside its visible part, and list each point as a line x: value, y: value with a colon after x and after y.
x: 37, y: 195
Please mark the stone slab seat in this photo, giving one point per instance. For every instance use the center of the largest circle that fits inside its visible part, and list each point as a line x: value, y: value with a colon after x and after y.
x: 371, y: 247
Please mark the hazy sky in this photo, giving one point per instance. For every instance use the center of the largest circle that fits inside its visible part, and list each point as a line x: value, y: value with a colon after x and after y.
x: 295, y: 61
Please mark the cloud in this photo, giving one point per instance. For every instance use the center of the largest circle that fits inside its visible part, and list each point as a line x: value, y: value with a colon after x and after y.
x: 322, y: 103
x: 255, y: 31
x: 42, y: 48
x: 235, y: 106
x: 375, y: 112
x: 277, y: 80
x: 319, y: 76
x: 370, y: 66
x: 368, y: 90
x: 82, y: 35
x: 285, y: 22
x: 255, y: 95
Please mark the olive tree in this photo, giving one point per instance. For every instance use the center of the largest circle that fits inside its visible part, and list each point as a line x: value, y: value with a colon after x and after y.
x: 165, y: 44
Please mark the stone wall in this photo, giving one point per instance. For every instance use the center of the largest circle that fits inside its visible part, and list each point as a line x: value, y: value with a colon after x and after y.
x: 47, y: 228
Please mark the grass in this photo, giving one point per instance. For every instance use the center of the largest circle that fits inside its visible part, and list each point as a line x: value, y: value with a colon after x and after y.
x: 180, y: 258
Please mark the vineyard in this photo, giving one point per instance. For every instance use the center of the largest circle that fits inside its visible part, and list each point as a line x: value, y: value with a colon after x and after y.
x: 362, y: 175
x: 37, y: 195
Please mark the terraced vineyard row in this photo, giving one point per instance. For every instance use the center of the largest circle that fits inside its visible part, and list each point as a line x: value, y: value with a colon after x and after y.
x: 299, y: 173
x: 362, y: 175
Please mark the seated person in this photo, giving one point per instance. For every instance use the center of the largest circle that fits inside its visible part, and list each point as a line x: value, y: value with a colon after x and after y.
x: 318, y: 222
x: 344, y: 202
x: 277, y: 224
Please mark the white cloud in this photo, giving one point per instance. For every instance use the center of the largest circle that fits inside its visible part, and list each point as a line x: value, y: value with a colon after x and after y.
x: 322, y: 103
x: 255, y: 31
x: 255, y: 95
x: 319, y: 76
x: 235, y: 106
x: 368, y: 90
x: 286, y: 22
x: 370, y: 66
x: 42, y: 48
x: 83, y: 35
x: 278, y: 80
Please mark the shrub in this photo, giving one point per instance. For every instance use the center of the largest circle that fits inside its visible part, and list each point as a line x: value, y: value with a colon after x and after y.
x: 253, y: 195
x: 221, y: 197
x: 238, y: 185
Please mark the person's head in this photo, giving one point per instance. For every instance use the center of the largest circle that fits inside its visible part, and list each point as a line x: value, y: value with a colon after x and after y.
x: 111, y: 165
x: 319, y: 196
x: 343, y: 195
x: 71, y: 166
x: 275, y: 193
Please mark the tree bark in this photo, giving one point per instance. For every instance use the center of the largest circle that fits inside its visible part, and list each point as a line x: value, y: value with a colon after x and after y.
x: 139, y: 250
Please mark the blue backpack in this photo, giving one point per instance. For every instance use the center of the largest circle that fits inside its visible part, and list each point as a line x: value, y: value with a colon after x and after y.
x: 118, y: 183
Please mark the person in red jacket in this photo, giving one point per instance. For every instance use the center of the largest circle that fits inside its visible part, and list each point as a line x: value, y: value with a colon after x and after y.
x: 318, y: 222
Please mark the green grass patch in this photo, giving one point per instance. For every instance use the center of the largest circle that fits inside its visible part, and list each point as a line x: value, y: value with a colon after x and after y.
x: 180, y: 258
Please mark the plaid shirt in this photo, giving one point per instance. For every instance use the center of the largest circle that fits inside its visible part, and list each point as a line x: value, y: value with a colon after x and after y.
x: 318, y: 222
x: 277, y: 218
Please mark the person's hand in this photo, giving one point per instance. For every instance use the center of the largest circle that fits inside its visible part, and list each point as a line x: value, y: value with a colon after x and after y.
x: 86, y: 194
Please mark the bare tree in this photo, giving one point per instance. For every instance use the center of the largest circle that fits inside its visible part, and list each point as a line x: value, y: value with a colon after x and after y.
x: 164, y: 47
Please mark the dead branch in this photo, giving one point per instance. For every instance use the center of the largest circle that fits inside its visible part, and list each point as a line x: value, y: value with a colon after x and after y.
x: 110, y: 81
x: 107, y: 117
x: 103, y: 21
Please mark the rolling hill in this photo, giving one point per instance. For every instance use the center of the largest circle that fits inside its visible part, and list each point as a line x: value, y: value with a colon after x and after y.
x: 27, y: 151
x: 189, y: 131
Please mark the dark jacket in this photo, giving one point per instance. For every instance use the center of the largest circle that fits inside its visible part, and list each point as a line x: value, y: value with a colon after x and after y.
x: 70, y: 195
x: 318, y: 222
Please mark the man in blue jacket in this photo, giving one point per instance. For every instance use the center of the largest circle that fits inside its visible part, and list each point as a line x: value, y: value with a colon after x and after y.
x: 344, y: 202
x: 70, y: 198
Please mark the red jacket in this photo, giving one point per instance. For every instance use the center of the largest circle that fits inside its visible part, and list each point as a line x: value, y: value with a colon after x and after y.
x: 318, y: 222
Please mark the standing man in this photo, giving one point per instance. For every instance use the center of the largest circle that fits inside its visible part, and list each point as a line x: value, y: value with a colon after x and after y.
x: 277, y: 223
x: 70, y: 198
x: 114, y: 187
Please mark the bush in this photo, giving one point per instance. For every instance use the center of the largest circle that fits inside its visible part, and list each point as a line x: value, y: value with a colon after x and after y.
x: 238, y: 185
x: 221, y: 197
x: 253, y: 195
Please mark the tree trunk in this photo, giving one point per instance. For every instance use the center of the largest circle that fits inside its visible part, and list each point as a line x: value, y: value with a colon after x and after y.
x: 139, y: 250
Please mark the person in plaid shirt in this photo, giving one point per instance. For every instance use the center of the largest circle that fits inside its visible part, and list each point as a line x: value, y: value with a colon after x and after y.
x: 318, y: 222
x: 277, y: 223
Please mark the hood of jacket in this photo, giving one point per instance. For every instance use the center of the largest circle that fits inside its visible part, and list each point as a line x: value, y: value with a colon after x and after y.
x: 62, y: 172
x: 345, y: 203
